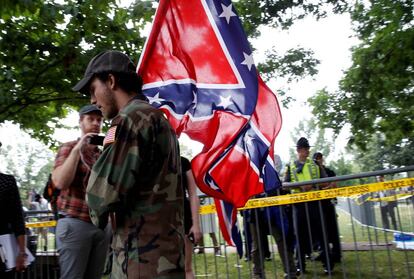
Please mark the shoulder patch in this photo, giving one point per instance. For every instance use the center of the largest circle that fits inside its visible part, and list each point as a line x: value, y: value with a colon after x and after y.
x: 110, y: 136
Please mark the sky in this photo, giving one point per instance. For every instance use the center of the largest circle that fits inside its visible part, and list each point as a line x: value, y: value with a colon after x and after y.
x: 329, y: 38
x: 12, y: 137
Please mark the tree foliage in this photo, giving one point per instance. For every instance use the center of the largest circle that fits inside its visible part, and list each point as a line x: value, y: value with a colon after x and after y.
x: 376, y: 94
x: 30, y: 163
x: 292, y: 66
x: 45, y: 45
x: 295, y: 63
x: 44, y: 50
x: 317, y: 138
x: 283, y: 13
x: 379, y: 155
x: 342, y: 166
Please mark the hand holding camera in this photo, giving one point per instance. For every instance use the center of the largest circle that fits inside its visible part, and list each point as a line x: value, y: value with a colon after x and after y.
x: 96, y: 140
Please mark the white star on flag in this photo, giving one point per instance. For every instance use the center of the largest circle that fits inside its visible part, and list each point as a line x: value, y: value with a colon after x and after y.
x: 248, y: 60
x: 248, y: 139
x: 212, y: 185
x: 227, y: 12
x: 194, y: 99
x: 225, y: 102
x: 155, y: 99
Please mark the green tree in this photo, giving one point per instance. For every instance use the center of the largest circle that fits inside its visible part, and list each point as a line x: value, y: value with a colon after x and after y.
x: 283, y: 13
x: 45, y: 45
x: 316, y: 136
x: 379, y: 155
x: 293, y: 65
x: 30, y: 163
x: 341, y: 166
x: 376, y: 93
x: 44, y: 49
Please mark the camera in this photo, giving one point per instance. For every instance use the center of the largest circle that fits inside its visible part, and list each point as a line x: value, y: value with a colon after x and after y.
x: 96, y: 140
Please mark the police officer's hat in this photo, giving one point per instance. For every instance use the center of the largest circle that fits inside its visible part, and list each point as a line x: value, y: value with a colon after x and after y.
x: 302, y: 143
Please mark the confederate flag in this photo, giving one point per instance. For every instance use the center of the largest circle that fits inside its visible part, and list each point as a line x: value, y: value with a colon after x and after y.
x: 198, y: 68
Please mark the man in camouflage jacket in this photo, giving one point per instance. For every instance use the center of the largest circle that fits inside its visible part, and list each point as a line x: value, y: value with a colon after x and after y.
x: 137, y: 180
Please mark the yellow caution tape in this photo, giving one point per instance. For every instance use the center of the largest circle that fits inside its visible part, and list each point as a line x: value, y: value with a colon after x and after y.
x: 360, y: 199
x: 318, y: 195
x: 294, y: 198
x: 41, y: 224
x: 390, y: 198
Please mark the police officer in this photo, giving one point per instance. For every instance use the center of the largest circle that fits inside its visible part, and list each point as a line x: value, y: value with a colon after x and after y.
x: 307, y: 217
x: 329, y: 212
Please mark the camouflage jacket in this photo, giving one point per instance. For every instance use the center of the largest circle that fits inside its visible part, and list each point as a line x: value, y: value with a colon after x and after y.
x: 137, y: 180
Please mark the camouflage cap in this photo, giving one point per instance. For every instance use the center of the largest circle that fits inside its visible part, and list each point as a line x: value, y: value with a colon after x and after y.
x: 107, y: 61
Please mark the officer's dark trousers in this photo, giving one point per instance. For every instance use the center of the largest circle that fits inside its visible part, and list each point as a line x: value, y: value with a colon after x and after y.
x: 332, y: 229
x: 285, y: 251
x: 309, y: 233
x: 388, y: 210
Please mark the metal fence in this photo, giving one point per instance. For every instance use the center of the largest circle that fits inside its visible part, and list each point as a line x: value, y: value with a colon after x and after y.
x: 41, y: 242
x: 367, y: 235
x: 367, y: 250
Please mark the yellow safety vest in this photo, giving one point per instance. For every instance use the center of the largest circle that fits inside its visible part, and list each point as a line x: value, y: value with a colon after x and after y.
x: 309, y: 171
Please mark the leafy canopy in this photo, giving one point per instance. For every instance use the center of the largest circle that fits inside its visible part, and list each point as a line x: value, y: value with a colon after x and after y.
x: 43, y: 52
x: 29, y: 161
x: 45, y: 45
x: 376, y: 94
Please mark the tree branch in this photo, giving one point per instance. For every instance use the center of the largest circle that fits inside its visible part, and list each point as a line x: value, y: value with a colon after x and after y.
x: 10, y: 112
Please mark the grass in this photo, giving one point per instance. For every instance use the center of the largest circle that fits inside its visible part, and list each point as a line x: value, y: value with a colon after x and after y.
x: 352, y: 231
x: 385, y: 263
x: 367, y: 264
